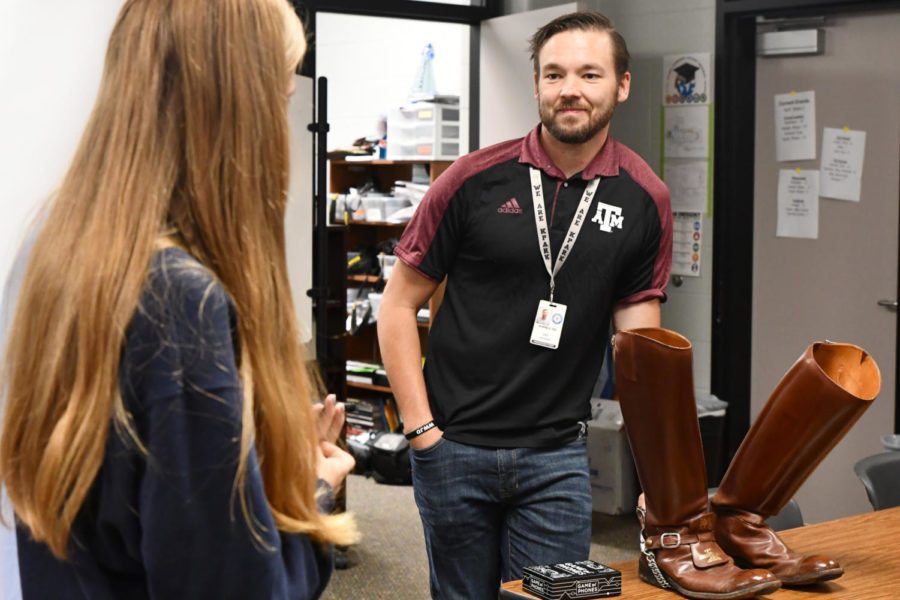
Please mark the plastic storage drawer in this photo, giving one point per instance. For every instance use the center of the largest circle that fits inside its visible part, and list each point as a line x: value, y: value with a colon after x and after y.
x: 423, y: 131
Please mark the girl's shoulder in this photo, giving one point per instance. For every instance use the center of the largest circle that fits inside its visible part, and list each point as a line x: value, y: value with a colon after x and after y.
x: 183, y: 298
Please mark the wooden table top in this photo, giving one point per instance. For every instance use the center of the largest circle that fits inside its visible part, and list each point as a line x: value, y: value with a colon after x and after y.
x: 866, y: 545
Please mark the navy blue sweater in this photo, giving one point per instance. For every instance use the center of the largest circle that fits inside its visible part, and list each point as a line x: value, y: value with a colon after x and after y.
x: 168, y: 525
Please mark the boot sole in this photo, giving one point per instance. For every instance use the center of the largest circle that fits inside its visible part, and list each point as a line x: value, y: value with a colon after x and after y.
x: 646, y: 576
x: 797, y: 580
x: 812, y: 579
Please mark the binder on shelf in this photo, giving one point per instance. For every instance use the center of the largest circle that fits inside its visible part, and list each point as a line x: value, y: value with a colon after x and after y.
x: 360, y: 416
x: 361, y: 372
x: 391, y: 414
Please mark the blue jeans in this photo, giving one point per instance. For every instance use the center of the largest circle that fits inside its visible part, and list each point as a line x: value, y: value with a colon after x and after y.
x: 489, y: 512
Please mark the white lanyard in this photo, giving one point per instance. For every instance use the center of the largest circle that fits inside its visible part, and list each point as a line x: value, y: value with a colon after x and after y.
x: 540, y: 221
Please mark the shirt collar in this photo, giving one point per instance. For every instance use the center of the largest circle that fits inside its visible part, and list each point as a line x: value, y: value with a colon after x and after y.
x: 605, y: 164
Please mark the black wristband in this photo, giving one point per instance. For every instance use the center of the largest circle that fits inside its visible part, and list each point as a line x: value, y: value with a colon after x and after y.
x: 420, y: 430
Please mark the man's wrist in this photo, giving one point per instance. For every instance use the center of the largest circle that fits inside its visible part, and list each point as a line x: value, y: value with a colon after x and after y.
x: 427, y: 439
x: 420, y: 430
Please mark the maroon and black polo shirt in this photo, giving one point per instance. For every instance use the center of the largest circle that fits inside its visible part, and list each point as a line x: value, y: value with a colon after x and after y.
x: 487, y: 384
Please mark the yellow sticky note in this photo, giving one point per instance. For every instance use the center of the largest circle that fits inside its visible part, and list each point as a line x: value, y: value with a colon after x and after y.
x: 846, y: 129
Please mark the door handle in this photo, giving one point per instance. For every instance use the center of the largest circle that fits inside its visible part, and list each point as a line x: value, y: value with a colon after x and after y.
x: 888, y: 304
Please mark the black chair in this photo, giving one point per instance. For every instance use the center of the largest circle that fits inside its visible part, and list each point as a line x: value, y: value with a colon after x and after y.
x: 789, y: 517
x: 880, y: 474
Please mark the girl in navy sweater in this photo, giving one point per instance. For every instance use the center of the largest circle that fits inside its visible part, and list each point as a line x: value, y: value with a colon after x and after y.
x: 159, y: 439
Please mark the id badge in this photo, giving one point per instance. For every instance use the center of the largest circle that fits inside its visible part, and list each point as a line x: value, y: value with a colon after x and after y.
x: 548, y: 324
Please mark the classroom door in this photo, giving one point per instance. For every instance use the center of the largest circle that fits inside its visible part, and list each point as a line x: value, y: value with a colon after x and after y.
x: 806, y: 290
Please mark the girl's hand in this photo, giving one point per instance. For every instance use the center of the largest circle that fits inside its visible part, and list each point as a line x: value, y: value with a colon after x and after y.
x: 334, y: 464
x: 329, y: 417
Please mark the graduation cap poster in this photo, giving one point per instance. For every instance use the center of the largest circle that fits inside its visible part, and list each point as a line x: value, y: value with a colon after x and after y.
x: 687, y: 79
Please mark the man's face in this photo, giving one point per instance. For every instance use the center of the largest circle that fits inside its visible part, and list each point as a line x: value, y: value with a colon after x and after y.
x: 576, y: 87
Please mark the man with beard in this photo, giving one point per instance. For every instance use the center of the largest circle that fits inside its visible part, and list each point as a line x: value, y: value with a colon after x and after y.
x: 565, y: 220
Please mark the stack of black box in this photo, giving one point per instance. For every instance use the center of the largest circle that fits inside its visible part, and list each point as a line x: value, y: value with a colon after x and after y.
x: 572, y: 581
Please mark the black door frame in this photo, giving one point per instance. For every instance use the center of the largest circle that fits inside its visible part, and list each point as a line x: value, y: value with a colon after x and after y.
x: 329, y: 260
x: 407, y: 9
x: 733, y: 193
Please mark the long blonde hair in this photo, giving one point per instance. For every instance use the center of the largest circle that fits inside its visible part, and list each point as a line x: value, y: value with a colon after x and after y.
x: 188, y: 140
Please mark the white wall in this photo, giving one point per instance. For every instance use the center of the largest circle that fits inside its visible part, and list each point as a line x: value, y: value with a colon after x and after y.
x: 371, y: 62
x: 51, y: 59
x: 653, y: 29
x: 507, y: 106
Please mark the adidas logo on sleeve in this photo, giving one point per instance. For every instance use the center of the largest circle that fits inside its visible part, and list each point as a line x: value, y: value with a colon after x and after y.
x: 510, y: 207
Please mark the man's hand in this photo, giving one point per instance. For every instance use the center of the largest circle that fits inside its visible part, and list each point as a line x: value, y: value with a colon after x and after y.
x: 333, y: 464
x: 329, y: 417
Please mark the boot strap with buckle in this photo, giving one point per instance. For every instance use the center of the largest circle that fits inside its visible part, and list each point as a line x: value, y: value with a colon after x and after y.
x: 673, y: 539
x: 696, y: 534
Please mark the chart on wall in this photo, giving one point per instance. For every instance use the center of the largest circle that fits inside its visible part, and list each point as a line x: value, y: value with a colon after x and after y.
x: 687, y: 238
x: 686, y: 155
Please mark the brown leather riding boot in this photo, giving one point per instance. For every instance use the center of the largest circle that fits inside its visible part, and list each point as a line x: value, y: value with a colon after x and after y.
x: 678, y: 547
x: 814, y: 405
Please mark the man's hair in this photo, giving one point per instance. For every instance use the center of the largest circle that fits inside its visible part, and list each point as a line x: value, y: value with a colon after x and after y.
x: 585, y: 21
x: 187, y: 142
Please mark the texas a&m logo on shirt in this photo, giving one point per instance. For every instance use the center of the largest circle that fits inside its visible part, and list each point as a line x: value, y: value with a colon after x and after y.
x: 608, y: 216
